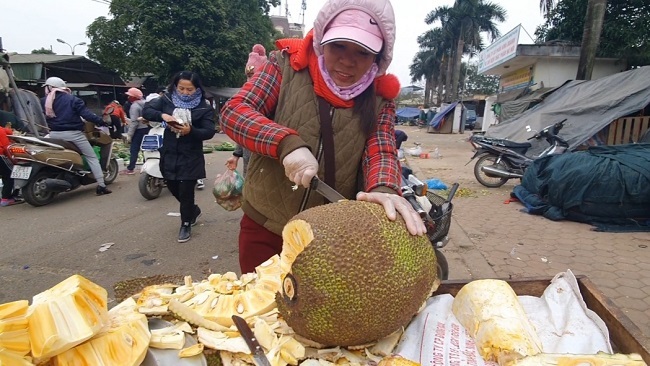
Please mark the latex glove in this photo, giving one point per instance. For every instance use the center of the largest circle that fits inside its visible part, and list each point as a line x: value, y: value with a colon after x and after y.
x: 393, y: 204
x: 231, y: 163
x: 300, y: 166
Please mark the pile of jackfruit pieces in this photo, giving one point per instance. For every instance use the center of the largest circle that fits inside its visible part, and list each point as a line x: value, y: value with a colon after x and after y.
x: 70, y: 324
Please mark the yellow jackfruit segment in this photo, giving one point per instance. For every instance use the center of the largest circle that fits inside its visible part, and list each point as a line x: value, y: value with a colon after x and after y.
x: 12, y: 359
x: 296, y: 235
x: 13, y: 309
x: 124, y: 343
x: 600, y: 359
x: 66, y: 315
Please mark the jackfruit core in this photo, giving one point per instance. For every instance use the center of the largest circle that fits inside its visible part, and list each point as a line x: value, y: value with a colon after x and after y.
x: 352, y: 276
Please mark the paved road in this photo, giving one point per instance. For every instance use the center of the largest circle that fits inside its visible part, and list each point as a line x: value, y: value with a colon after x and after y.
x: 41, y: 246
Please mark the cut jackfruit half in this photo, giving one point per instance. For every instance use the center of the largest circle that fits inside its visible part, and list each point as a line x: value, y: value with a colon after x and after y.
x: 491, y: 313
x: 124, y: 343
x: 66, y: 315
x: 296, y: 236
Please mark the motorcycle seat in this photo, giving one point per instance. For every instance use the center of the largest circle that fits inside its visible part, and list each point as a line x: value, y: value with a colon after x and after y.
x: 65, y: 144
x: 515, y: 145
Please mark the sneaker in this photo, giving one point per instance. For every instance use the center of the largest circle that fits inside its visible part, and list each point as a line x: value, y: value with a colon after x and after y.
x: 12, y: 201
x: 101, y: 190
x: 129, y: 172
x: 197, y: 214
x: 185, y: 232
x: 200, y: 184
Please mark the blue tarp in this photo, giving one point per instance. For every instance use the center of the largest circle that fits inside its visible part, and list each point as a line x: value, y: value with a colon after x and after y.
x: 408, y: 112
x: 436, y: 122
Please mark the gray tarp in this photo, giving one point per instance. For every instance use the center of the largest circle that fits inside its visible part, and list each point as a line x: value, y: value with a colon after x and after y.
x: 521, y: 104
x: 588, y: 106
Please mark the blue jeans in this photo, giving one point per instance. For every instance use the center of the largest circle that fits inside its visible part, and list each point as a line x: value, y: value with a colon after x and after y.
x: 136, y: 141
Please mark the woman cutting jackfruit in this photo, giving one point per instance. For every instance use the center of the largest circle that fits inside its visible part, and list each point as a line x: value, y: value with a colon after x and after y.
x: 322, y: 105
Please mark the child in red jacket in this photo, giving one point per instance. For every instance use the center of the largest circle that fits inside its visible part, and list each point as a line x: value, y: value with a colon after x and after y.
x: 8, y: 195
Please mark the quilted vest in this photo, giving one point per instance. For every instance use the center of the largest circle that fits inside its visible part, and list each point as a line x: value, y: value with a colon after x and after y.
x: 269, y: 198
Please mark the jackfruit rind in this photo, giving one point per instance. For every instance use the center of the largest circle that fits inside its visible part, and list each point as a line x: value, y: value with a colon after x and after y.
x: 361, y: 278
x: 66, y: 315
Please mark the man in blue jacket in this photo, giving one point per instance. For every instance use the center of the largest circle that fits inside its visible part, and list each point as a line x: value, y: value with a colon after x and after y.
x: 63, y: 112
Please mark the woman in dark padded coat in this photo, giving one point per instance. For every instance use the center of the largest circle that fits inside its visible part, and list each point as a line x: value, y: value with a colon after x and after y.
x: 188, y: 119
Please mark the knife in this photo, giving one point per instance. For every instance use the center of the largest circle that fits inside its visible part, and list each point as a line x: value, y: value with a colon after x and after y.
x: 325, y: 190
x: 251, y: 341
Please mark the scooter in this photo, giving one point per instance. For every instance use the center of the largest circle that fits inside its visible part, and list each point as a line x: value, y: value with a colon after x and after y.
x: 435, y: 212
x: 501, y: 160
x: 151, y: 181
x: 44, y: 167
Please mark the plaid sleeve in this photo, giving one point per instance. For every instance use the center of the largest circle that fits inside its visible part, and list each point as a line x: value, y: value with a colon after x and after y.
x: 380, y: 165
x: 245, y: 116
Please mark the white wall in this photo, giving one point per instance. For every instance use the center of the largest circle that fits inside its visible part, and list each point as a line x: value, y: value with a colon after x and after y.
x: 554, y: 72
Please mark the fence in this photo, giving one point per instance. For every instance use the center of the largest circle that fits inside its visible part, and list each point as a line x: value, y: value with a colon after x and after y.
x: 627, y: 130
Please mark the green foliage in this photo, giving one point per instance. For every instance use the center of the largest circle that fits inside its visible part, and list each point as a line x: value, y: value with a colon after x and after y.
x: 211, y: 37
x: 43, y: 51
x: 626, y: 28
x: 476, y: 83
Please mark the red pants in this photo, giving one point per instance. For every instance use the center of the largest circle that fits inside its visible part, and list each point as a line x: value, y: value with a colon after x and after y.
x: 256, y: 244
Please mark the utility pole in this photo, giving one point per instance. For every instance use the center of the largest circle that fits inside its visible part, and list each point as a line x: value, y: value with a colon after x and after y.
x: 303, y: 7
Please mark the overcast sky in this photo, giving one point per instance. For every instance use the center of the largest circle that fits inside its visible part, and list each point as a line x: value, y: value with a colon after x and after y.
x: 31, y: 24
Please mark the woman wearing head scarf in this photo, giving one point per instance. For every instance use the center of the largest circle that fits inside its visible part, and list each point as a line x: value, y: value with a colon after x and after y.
x: 188, y: 118
x: 321, y: 106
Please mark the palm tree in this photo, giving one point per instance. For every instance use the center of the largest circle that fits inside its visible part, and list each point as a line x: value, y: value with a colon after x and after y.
x: 466, y: 20
x: 434, y: 44
x: 423, y: 66
x: 590, y: 34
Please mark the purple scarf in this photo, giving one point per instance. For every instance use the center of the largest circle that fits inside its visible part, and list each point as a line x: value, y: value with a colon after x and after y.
x: 348, y: 92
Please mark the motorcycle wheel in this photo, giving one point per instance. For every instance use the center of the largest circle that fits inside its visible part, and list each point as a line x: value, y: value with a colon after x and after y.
x: 33, y: 192
x: 443, y: 265
x: 486, y: 180
x: 150, y: 186
x: 111, y: 173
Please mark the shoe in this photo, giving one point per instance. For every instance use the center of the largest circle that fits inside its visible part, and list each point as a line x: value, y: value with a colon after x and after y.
x: 200, y: 184
x: 101, y: 190
x: 130, y: 172
x: 12, y: 201
x: 185, y: 232
x: 197, y: 214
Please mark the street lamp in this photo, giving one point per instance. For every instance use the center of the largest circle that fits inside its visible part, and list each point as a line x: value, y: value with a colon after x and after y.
x: 71, y: 47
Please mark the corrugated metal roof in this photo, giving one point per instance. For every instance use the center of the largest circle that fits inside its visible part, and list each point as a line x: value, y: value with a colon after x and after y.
x: 40, y: 58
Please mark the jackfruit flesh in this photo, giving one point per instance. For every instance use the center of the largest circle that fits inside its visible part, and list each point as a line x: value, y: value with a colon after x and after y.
x: 14, y: 336
x: 12, y: 359
x: 397, y: 361
x: 351, y: 275
x: 490, y: 311
x: 66, y: 315
x: 124, y: 343
x: 600, y: 359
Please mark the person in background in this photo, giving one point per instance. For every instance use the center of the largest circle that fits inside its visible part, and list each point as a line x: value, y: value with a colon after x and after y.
x: 118, y: 118
x: 137, y: 128
x: 329, y: 87
x: 9, y: 195
x: 256, y: 60
x: 188, y: 119
x: 400, y: 137
x: 63, y: 113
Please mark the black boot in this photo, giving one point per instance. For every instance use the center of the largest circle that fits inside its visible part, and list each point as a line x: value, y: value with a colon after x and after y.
x: 197, y: 214
x: 101, y: 190
x: 185, y: 232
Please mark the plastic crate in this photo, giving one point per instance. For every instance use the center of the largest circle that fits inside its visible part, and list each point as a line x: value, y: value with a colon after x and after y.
x: 151, y: 142
x: 440, y: 218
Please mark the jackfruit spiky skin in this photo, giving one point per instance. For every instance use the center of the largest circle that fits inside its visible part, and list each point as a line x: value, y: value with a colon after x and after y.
x: 361, y: 278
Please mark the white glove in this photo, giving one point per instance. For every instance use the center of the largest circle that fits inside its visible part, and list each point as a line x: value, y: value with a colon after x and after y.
x: 394, y: 203
x: 300, y: 166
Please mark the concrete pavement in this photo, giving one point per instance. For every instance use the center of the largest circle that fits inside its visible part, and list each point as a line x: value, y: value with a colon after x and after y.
x: 494, y: 239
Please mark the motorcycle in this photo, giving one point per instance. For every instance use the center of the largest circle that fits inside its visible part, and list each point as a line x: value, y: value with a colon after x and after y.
x: 435, y: 212
x: 501, y: 160
x: 44, y: 167
x: 151, y: 181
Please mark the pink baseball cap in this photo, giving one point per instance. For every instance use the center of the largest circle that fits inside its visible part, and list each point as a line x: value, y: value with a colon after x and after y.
x: 356, y: 26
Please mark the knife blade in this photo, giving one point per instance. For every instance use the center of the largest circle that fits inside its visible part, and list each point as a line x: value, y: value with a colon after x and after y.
x: 247, y: 333
x: 325, y: 190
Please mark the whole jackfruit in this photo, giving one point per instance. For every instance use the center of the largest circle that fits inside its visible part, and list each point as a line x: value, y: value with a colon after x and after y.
x: 352, y: 276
